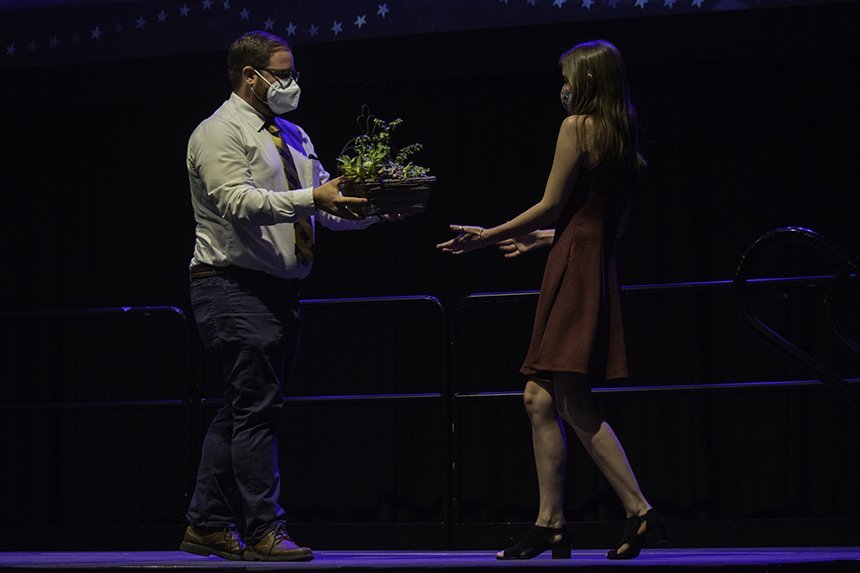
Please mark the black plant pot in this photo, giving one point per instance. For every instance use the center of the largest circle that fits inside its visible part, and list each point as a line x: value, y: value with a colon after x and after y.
x: 391, y: 196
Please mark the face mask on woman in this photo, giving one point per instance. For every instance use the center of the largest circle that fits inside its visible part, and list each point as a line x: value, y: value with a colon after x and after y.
x: 565, y: 96
x: 282, y: 98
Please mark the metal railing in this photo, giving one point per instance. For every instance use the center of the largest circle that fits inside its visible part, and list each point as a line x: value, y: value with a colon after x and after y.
x: 145, y: 311
x: 444, y: 331
x: 848, y: 268
x: 835, y: 281
x: 36, y: 398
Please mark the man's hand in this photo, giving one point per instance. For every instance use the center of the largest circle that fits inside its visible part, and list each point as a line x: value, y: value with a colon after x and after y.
x: 328, y: 198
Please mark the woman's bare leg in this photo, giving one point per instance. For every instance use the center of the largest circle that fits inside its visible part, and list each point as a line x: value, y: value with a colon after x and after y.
x: 550, y: 451
x: 575, y: 404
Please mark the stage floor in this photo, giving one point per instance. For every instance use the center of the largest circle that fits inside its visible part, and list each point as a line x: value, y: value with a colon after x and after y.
x: 746, y: 559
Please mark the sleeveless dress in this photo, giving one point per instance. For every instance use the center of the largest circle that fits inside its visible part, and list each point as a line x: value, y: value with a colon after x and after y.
x: 577, y: 324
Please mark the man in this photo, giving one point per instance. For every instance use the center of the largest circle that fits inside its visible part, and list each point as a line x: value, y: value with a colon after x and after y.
x: 257, y: 190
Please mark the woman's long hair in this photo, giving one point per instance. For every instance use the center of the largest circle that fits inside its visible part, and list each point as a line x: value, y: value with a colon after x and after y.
x: 599, y: 90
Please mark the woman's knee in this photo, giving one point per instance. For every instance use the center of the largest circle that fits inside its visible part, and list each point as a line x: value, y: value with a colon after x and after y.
x: 538, y: 401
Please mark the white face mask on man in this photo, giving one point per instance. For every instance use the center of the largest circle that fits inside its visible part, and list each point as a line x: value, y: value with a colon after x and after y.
x: 281, y: 98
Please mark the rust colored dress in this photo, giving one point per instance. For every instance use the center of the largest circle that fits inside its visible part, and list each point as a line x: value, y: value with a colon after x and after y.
x: 578, y: 325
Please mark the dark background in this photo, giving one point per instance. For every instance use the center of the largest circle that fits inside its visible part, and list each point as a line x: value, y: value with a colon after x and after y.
x: 749, y: 122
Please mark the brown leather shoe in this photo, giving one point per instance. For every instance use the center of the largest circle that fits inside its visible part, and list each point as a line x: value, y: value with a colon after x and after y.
x: 277, y: 546
x: 225, y: 543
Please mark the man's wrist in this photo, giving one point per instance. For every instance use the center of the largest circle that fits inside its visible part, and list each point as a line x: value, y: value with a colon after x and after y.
x: 304, y: 198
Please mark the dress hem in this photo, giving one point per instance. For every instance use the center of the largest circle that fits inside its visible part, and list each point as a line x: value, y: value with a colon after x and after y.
x: 541, y: 373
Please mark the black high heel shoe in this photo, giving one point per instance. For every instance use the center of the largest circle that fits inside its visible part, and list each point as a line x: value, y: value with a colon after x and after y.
x: 654, y: 533
x: 537, y: 540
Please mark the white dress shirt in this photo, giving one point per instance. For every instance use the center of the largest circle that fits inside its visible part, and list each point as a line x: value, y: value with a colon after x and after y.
x: 242, y: 204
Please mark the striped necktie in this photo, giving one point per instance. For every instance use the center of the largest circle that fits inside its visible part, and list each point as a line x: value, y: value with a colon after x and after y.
x: 304, y: 232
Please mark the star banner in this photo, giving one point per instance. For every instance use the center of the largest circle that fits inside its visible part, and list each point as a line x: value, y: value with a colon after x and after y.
x: 66, y: 31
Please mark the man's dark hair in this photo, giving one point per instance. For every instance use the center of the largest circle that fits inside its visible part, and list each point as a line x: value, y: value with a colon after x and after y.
x: 252, y: 49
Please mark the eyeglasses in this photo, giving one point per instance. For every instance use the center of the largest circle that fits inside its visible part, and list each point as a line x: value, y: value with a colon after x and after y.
x: 284, y: 77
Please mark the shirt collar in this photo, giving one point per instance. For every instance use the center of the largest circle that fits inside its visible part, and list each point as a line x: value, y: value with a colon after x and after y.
x: 253, y: 117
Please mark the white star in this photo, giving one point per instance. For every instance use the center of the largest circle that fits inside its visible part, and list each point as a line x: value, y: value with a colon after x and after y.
x: 360, y: 21
x: 55, y: 41
x: 140, y: 23
x: 244, y: 14
x: 669, y: 4
x: 268, y: 23
x: 291, y: 29
x: 587, y: 4
x: 641, y: 3
x: 162, y: 16
x: 383, y: 10
x: 612, y: 4
x: 698, y: 3
x: 503, y: 1
x: 558, y: 3
x: 184, y: 10
x: 32, y: 46
x: 226, y: 4
x: 95, y: 33
x: 336, y: 27
x: 11, y: 49
x: 531, y: 2
x: 313, y: 30
x: 207, y: 4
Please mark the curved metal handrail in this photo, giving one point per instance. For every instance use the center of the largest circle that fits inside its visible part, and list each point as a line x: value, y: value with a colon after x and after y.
x: 839, y: 279
x: 775, y: 340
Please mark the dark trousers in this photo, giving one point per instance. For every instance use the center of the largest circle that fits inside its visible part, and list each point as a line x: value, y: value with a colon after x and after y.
x: 250, y: 323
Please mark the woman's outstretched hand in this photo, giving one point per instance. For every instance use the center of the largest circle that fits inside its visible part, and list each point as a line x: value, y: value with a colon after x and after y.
x: 468, y: 239
x: 526, y: 243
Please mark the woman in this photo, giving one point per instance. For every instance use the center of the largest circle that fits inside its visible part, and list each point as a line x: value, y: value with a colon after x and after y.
x: 577, y: 337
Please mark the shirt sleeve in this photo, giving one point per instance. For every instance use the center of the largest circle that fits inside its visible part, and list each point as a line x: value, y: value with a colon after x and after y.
x: 335, y: 223
x: 217, y: 157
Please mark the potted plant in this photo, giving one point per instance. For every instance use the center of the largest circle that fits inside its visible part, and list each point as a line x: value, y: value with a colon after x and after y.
x: 387, y: 177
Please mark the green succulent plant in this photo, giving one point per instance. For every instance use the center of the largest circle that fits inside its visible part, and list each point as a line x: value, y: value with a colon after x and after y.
x: 368, y: 157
